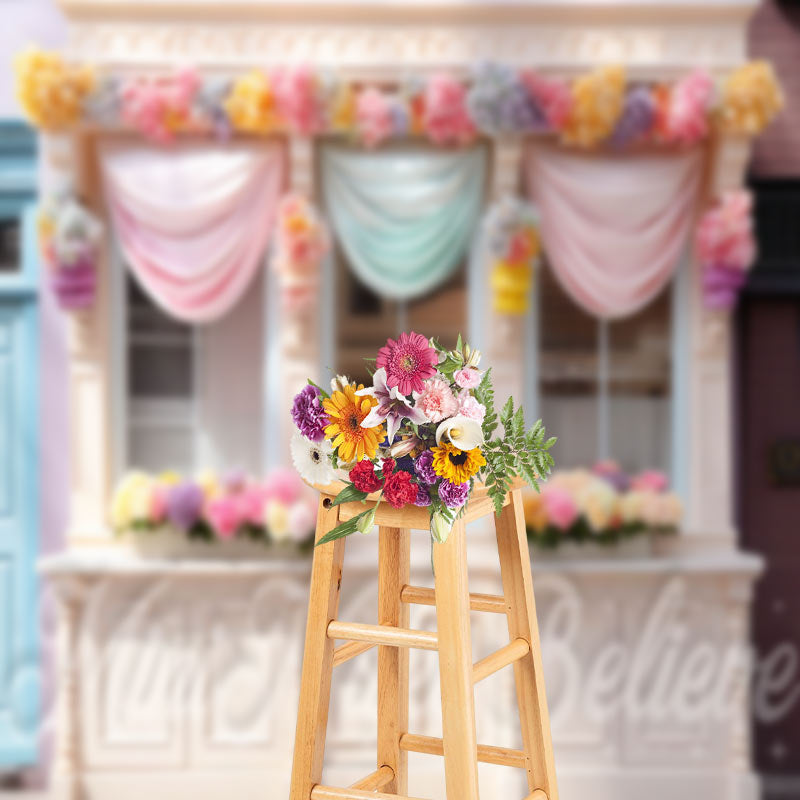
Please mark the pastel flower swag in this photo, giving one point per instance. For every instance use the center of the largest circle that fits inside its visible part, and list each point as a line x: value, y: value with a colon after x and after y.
x: 421, y: 435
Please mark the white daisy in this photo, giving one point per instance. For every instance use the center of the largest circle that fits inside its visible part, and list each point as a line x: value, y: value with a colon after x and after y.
x: 312, y: 459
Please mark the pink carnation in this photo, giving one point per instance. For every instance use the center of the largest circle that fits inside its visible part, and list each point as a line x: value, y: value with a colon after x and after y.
x: 562, y: 511
x: 297, y: 100
x: 437, y: 401
x: 725, y: 232
x: 469, y: 407
x: 467, y: 378
x: 651, y: 480
x: 374, y: 116
x: 552, y: 95
x: 446, y: 118
x: 686, y: 119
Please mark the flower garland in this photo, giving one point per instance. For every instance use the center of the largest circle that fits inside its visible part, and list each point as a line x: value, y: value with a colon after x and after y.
x: 277, y: 510
x: 603, y: 505
x: 69, y: 239
x: 301, y: 243
x: 512, y: 231
x: 420, y: 435
x: 726, y: 249
x: 598, y: 108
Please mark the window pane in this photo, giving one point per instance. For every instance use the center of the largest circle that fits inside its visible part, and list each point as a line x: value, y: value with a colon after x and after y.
x: 568, y: 374
x: 640, y: 387
x: 9, y: 246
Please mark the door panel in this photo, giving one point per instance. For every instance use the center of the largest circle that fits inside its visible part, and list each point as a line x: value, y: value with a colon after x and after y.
x: 19, y: 524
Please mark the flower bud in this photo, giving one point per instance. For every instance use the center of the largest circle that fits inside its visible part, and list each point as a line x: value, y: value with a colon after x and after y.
x: 440, y: 528
x: 366, y: 523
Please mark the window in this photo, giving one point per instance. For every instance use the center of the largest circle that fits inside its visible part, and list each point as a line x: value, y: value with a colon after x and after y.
x: 605, y: 387
x: 10, y: 258
x: 193, y: 393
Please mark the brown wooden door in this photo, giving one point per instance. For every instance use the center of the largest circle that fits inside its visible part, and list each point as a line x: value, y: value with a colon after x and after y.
x: 769, y: 517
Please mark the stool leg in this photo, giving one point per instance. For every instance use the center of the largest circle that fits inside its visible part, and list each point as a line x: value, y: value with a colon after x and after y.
x: 512, y: 544
x: 393, y: 574
x: 315, y: 683
x: 455, y: 666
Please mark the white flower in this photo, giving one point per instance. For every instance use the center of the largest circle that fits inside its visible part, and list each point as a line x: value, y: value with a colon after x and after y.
x: 276, y: 517
x: 312, y: 460
x: 464, y: 433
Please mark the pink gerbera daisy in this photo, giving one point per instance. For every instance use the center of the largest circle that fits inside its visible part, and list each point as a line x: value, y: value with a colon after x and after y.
x: 408, y: 362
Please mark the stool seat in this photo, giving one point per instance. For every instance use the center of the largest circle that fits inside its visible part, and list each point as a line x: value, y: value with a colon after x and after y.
x: 452, y: 641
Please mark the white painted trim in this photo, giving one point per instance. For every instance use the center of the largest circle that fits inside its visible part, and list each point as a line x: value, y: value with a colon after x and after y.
x: 272, y: 371
x: 680, y: 336
x: 603, y: 398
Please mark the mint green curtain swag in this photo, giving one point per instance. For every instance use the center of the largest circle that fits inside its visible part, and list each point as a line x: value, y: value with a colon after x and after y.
x: 404, y: 219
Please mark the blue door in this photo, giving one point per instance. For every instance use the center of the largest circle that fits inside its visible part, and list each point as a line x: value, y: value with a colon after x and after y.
x: 19, y: 481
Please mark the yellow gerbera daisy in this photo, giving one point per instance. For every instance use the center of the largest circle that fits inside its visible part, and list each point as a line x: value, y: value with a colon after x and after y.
x: 457, y: 466
x: 346, y: 412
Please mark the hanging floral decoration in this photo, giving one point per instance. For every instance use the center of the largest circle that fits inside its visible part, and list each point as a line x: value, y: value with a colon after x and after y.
x: 69, y: 239
x: 512, y: 239
x: 277, y: 510
x: 420, y: 435
x: 301, y: 243
x: 602, y: 505
x: 726, y: 249
x: 600, y: 108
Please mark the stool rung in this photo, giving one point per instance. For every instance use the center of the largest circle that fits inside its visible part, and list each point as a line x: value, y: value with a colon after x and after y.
x: 512, y: 652
x: 332, y: 793
x: 343, y: 653
x: 383, y: 634
x: 375, y: 781
x: 421, y: 596
x: 415, y: 743
x: 537, y: 794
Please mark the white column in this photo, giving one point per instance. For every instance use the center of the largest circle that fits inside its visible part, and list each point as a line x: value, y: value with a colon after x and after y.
x: 67, y: 161
x: 708, y: 519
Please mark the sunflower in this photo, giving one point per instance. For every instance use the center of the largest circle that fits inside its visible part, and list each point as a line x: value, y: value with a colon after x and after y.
x: 457, y: 466
x: 346, y: 412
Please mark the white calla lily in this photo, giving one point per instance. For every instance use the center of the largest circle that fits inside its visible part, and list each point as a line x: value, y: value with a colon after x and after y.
x: 462, y: 432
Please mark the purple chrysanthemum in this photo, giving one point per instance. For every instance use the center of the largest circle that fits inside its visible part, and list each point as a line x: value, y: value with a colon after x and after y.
x: 184, y: 504
x: 423, y: 466
x: 308, y: 413
x: 454, y: 495
x: 423, y: 497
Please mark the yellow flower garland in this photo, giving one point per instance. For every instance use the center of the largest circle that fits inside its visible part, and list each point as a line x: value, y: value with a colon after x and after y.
x: 597, y: 102
x: 751, y: 96
x: 251, y: 104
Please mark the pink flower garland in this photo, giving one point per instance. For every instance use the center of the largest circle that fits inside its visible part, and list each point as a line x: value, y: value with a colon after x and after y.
x: 374, y: 116
x: 445, y: 118
x: 297, y: 99
x: 726, y: 248
x: 159, y: 107
x: 686, y: 118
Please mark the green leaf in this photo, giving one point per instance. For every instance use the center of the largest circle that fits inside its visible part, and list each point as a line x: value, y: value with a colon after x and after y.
x: 348, y: 495
x: 322, y: 392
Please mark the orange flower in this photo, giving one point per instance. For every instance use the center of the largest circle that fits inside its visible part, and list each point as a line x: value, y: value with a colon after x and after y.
x: 347, y: 412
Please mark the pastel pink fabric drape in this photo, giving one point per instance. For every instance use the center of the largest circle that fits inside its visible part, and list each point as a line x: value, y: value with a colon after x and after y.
x: 613, y: 227
x: 194, y: 221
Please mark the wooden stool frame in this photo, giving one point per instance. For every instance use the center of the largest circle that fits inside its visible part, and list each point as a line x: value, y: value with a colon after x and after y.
x: 393, y: 637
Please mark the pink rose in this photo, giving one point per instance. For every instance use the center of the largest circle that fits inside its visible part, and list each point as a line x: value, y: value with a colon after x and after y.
x: 651, y: 480
x: 158, y: 503
x: 469, y: 407
x: 284, y: 484
x: 687, y: 113
x: 302, y: 519
x: 437, y: 401
x: 725, y: 232
x: 467, y: 378
x: 562, y: 511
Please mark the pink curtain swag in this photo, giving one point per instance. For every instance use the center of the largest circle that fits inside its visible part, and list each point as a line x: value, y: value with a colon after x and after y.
x: 614, y: 227
x: 194, y: 222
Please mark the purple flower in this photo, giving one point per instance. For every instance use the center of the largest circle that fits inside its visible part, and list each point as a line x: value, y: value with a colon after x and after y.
x: 308, y: 413
x: 423, y: 497
x: 392, y: 406
x: 636, y: 120
x: 423, y: 466
x: 721, y: 286
x: 454, y: 495
x: 184, y: 504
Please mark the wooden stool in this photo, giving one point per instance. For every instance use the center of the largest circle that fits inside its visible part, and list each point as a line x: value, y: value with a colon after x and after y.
x: 393, y: 637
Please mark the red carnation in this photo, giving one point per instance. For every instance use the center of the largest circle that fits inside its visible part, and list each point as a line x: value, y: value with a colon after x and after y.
x: 400, y: 490
x: 364, y: 478
x: 387, y: 468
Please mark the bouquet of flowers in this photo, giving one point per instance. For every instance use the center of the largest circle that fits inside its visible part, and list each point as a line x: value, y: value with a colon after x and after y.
x: 422, y: 434
x: 603, y: 505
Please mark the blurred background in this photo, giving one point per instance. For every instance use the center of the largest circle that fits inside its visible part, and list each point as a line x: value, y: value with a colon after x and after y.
x: 203, y: 203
